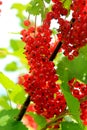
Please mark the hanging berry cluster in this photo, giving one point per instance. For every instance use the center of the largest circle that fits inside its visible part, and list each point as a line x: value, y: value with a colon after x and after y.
x: 41, y: 82
x: 74, y: 32
x: 79, y: 90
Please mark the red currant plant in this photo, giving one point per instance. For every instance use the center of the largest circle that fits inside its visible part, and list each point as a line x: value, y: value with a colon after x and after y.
x: 56, y: 88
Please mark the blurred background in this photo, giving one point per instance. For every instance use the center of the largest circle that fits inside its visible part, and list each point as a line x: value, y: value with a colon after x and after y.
x: 10, y: 28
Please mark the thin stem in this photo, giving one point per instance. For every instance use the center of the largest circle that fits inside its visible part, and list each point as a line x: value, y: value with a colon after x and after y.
x: 83, y: 99
x: 23, y: 109
x: 29, y: 17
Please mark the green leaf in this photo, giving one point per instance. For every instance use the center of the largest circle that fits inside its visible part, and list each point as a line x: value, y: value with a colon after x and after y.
x: 8, y: 122
x: 10, y: 115
x: 16, y: 44
x: 83, y: 52
x: 67, y: 3
x: 48, y: 1
x: 15, y: 92
x: 67, y: 70
x: 40, y: 120
x: 11, y: 66
x: 18, y: 95
x: 70, y: 100
x: 13, y: 126
x: 4, y: 119
x: 77, y: 68
x: 21, y: 56
x: 3, y: 52
x: 4, y: 102
x: 20, y: 8
x: 35, y: 7
x: 70, y: 126
x: 74, y: 109
x: 54, y: 31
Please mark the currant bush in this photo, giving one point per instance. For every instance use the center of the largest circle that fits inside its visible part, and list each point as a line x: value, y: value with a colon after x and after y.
x: 41, y: 81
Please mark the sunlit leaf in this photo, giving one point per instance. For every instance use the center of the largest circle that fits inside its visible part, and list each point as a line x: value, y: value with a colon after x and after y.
x: 35, y: 7
x: 74, y: 109
x: 16, y: 92
x: 20, y: 9
x: 67, y: 3
x: 20, y: 54
x: 40, y: 120
x: 54, y: 31
x: 4, y: 102
x: 76, y: 68
x: 11, y: 66
x: 48, y: 1
x: 3, y: 52
x: 16, y: 44
x: 9, y: 114
x: 70, y: 126
x: 8, y: 120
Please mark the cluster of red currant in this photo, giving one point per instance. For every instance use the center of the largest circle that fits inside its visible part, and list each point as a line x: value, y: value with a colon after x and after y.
x: 40, y: 83
x: 79, y: 90
x: 75, y: 32
x: 41, y: 80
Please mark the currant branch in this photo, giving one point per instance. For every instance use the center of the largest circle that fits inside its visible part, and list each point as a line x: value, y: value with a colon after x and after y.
x: 66, y: 112
x: 23, y: 109
x: 83, y: 99
x: 55, y: 51
x: 27, y: 101
x: 56, y: 119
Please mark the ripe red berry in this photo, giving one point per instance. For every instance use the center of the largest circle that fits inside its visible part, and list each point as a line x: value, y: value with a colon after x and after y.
x: 26, y: 22
x: 0, y: 2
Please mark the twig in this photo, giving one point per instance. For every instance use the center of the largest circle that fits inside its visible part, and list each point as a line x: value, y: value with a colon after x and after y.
x: 55, y: 120
x: 23, y: 109
x: 55, y: 51
x: 83, y: 99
